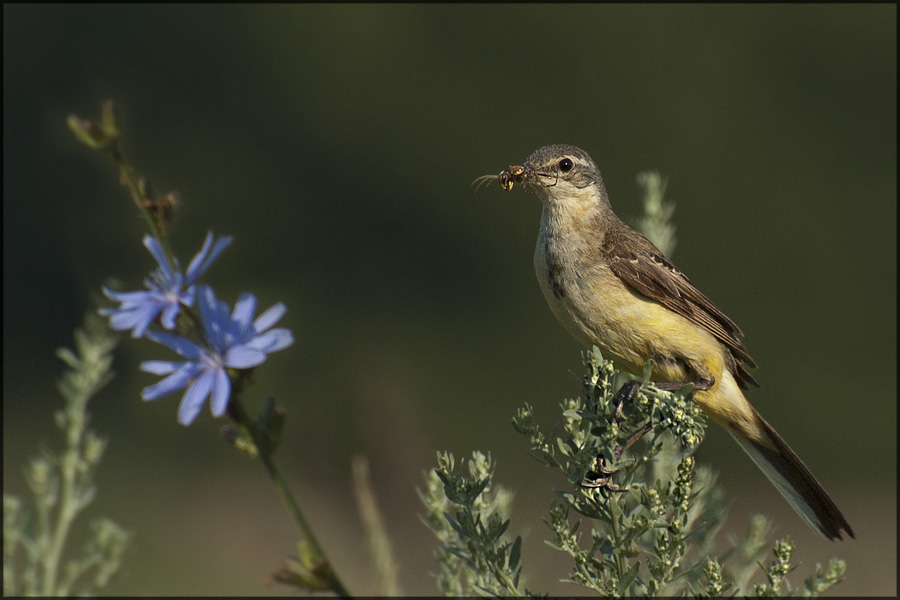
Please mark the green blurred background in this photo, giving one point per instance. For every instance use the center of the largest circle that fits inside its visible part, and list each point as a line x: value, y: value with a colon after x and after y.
x: 338, y: 145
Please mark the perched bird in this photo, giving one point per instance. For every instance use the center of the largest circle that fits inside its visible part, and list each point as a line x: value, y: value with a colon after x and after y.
x: 610, y: 286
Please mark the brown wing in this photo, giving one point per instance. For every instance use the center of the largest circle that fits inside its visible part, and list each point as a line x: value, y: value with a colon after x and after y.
x: 639, y: 264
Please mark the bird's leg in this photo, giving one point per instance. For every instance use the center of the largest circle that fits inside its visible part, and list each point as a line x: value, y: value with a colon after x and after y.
x: 625, y: 394
x: 619, y: 450
x: 599, y: 475
x: 593, y: 480
x: 627, y: 391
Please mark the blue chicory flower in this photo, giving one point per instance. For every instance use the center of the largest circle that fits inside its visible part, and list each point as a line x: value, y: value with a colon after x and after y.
x: 167, y: 290
x: 236, y: 341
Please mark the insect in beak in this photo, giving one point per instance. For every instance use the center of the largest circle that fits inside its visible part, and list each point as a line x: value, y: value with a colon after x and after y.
x: 511, y: 176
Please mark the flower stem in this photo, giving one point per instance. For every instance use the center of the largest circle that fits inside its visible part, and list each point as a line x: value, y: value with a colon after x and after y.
x: 141, y: 201
x: 324, y: 566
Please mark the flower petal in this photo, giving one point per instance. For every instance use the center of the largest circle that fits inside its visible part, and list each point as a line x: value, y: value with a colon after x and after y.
x: 156, y: 250
x: 270, y: 317
x: 195, y: 396
x: 136, y: 318
x: 244, y: 357
x: 169, y: 312
x: 173, y: 382
x: 161, y: 367
x: 221, y: 392
x: 204, y: 259
x: 182, y: 346
x: 125, y: 297
x: 193, y: 270
x: 241, y: 326
x: 272, y: 341
x: 214, y: 315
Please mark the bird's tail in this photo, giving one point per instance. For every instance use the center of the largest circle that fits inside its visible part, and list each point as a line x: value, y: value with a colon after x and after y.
x: 792, y: 478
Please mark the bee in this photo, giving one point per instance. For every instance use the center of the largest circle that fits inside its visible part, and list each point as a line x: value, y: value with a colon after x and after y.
x: 514, y: 174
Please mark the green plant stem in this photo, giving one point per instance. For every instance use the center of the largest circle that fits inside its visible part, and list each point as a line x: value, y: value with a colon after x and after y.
x: 140, y: 200
x: 69, y: 503
x: 620, y: 560
x: 67, y: 510
x: 287, y: 497
x: 506, y: 582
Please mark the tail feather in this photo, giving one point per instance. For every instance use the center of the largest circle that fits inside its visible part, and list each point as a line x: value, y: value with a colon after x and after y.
x: 794, y: 481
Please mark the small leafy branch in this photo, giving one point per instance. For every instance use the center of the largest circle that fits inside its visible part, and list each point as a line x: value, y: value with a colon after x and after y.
x: 35, y: 537
x: 635, y: 516
x: 468, y: 515
x: 626, y: 451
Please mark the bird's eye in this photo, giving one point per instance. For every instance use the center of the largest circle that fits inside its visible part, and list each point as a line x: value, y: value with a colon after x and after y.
x: 565, y: 165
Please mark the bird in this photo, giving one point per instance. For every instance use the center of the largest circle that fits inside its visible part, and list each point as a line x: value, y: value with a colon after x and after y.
x: 611, y: 287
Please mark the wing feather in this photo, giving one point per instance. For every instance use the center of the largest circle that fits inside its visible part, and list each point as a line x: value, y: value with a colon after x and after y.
x: 641, y: 266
